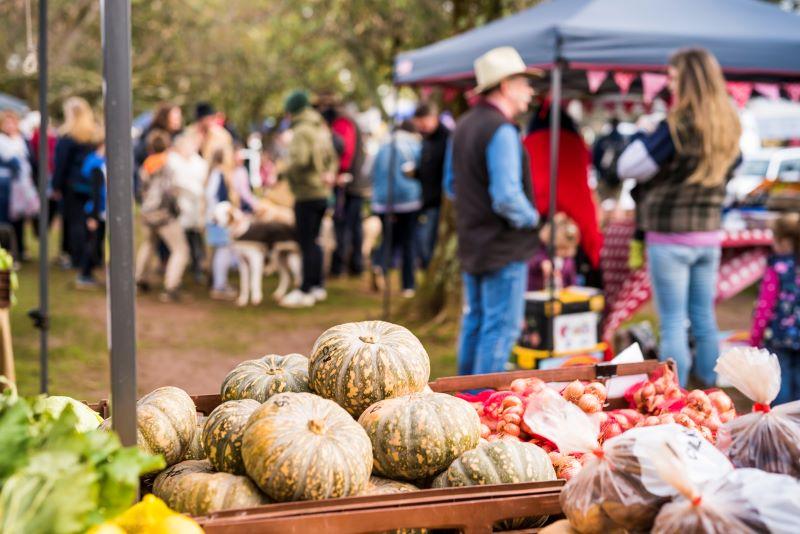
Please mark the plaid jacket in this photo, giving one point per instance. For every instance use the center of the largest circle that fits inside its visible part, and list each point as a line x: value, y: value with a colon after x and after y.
x: 664, y: 201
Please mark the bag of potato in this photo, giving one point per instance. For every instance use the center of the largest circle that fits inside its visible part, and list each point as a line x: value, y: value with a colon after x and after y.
x: 742, y: 501
x: 767, y: 438
x: 618, y: 488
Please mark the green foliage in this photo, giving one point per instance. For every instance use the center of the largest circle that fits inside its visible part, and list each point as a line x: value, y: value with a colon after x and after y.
x: 243, y: 55
x: 56, y: 479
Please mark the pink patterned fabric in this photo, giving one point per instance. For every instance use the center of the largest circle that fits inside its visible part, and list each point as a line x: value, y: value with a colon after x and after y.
x: 744, y: 259
x: 765, y: 306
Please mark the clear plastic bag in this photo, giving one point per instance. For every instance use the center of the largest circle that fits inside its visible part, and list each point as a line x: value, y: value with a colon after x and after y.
x: 618, y: 488
x: 768, y: 438
x: 743, y: 501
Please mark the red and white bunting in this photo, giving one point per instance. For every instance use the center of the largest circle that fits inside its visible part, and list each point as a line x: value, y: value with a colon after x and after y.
x: 793, y: 90
x: 652, y: 84
x: 740, y: 91
x: 596, y: 79
x: 624, y: 80
x: 770, y: 90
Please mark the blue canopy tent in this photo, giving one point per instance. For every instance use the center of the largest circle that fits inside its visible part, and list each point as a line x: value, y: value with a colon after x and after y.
x: 752, y: 40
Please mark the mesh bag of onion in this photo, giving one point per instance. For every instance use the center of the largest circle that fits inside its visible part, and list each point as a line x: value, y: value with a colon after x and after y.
x: 767, y: 438
x: 618, y: 487
x: 741, y: 501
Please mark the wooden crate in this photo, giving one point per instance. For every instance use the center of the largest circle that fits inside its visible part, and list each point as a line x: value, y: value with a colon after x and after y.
x: 472, y: 510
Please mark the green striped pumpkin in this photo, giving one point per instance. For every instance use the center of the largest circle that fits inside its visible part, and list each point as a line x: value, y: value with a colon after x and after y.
x: 419, y: 435
x: 358, y: 364
x: 262, y: 378
x: 385, y: 486
x: 196, y: 451
x: 193, y: 487
x: 500, y: 462
x: 166, y: 419
x: 223, y: 433
x: 298, y: 446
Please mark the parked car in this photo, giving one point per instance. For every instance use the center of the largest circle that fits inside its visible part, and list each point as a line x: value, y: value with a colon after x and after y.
x: 768, y: 164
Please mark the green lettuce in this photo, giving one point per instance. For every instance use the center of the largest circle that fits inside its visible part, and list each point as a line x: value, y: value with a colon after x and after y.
x: 55, y: 478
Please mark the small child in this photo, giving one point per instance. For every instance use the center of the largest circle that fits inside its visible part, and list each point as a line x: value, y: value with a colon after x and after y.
x: 217, y: 236
x: 93, y: 179
x: 568, y: 237
x: 776, y: 320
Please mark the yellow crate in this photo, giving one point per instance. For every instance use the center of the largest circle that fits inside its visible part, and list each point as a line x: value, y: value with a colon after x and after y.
x: 528, y: 358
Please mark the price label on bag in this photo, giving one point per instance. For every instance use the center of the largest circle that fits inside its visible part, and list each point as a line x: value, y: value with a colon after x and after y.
x: 702, y: 460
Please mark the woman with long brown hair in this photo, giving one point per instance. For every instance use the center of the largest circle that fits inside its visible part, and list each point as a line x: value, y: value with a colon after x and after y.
x: 78, y: 139
x: 682, y: 168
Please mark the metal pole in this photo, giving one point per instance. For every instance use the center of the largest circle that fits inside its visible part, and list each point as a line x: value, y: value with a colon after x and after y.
x: 555, y: 131
x: 40, y: 316
x: 119, y: 153
x: 388, y: 249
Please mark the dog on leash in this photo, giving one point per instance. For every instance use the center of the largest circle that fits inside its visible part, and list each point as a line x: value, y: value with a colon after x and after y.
x: 266, y: 244
x: 261, y: 246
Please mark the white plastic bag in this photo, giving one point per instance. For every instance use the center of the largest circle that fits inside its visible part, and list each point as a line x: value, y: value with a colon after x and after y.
x: 618, y: 487
x: 768, y: 438
x: 743, y: 501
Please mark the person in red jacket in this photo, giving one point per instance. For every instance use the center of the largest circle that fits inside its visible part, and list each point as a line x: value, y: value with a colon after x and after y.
x: 352, y: 186
x: 574, y: 197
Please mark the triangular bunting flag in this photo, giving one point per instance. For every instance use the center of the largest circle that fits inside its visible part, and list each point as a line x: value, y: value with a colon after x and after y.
x: 793, y: 90
x: 596, y: 79
x: 652, y: 84
x: 740, y: 91
x: 770, y: 90
x: 624, y: 81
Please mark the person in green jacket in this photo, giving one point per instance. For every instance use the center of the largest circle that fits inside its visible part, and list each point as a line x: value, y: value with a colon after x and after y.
x: 311, y: 172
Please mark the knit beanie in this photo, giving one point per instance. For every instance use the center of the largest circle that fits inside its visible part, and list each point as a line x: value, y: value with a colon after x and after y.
x: 296, y: 101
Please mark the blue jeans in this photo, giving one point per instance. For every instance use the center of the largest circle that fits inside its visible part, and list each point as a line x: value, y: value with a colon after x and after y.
x: 494, y: 308
x: 684, y: 283
x: 790, y: 376
x: 427, y: 232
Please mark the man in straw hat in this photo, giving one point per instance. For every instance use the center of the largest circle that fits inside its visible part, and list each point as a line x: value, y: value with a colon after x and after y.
x: 489, y: 179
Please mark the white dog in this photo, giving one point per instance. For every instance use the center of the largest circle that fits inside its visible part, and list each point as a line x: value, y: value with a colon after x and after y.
x: 266, y: 245
x: 261, y: 246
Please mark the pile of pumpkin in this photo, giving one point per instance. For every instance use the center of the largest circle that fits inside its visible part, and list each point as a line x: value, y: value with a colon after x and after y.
x: 355, y: 418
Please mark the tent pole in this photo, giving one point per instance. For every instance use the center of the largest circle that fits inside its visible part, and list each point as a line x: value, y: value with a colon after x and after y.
x: 555, y: 129
x: 40, y: 316
x: 388, y: 249
x: 119, y: 151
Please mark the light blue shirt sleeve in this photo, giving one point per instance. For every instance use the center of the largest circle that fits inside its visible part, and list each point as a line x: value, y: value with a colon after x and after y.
x: 447, y: 179
x: 504, y: 161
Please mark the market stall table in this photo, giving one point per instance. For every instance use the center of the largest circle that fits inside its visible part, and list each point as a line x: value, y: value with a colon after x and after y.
x: 744, y: 258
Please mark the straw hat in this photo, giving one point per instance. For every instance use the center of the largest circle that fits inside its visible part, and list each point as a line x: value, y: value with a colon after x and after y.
x: 498, y: 64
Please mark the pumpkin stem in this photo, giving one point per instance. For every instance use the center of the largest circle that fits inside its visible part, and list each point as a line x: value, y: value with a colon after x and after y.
x: 367, y: 338
x: 316, y: 426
